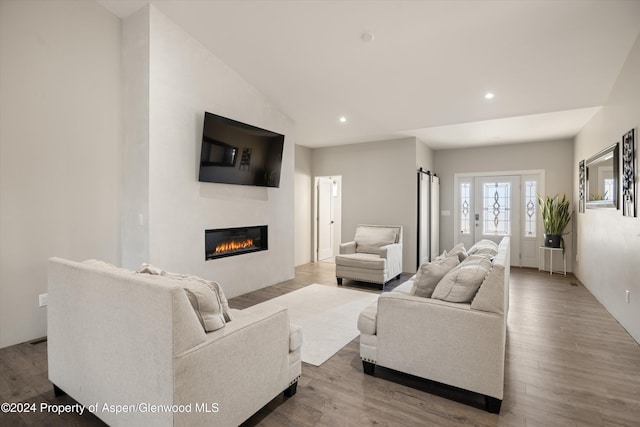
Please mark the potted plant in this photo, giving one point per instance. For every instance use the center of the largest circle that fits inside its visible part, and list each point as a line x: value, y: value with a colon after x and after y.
x: 555, y: 218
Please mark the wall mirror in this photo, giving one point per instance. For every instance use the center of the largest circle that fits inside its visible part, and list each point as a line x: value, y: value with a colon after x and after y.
x: 603, y: 180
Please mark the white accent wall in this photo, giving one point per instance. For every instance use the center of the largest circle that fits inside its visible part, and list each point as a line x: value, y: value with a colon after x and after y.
x: 303, y: 207
x: 60, y: 149
x: 608, y: 244
x: 184, y: 81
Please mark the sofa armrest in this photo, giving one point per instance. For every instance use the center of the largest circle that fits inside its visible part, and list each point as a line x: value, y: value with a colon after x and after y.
x: 251, y: 353
x: 348, y: 248
x: 243, y: 321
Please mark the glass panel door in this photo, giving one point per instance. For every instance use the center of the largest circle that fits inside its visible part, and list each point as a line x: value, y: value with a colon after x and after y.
x: 497, y: 211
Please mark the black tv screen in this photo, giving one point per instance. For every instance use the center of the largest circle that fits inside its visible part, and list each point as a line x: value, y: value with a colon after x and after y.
x: 237, y: 153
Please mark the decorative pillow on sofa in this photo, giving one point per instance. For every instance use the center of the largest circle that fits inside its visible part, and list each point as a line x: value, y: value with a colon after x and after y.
x: 484, y: 246
x: 215, y: 286
x: 370, y: 239
x: 459, y: 251
x: 462, y: 282
x: 205, y: 303
x: 429, y: 275
x: 206, y: 297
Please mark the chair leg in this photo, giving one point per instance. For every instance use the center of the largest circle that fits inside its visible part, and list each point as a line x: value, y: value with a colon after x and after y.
x: 368, y: 367
x: 339, y: 279
x: 291, y: 390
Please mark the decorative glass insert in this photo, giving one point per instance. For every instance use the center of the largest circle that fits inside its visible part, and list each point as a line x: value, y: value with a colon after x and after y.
x: 530, y: 205
x: 497, y: 208
x: 465, y: 208
x: 609, y: 188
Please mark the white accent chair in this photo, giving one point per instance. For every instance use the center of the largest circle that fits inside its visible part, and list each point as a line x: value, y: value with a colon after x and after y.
x: 373, y: 256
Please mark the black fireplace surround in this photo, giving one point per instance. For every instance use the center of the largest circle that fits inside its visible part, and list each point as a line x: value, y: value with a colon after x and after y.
x: 225, y: 242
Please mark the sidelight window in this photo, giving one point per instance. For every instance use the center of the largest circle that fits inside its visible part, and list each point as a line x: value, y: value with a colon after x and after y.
x: 465, y: 208
x: 530, y: 203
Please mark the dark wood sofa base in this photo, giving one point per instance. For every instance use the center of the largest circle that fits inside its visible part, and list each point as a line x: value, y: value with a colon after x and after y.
x: 491, y: 404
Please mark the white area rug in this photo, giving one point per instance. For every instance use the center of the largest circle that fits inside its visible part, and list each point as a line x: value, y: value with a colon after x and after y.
x: 328, y: 316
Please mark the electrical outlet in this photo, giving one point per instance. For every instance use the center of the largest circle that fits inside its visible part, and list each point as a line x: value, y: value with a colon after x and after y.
x: 627, y: 296
x: 43, y: 299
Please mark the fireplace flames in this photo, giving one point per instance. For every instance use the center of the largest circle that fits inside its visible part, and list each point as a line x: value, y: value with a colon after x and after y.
x: 234, y: 245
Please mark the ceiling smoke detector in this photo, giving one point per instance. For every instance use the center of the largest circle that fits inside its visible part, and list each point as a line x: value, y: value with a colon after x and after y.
x: 367, y: 36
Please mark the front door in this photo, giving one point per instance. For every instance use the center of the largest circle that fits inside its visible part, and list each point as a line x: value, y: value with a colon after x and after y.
x: 491, y: 207
x: 497, y: 213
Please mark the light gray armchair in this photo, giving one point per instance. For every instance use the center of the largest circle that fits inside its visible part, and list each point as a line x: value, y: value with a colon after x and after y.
x: 374, y: 255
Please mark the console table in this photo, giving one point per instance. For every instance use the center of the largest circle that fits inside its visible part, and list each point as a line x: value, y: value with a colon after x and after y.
x: 544, y: 250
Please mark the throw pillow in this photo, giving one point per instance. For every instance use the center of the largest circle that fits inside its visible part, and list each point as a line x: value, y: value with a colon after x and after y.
x: 489, y: 251
x: 203, y: 295
x: 443, y: 255
x: 205, y: 303
x: 429, y: 275
x: 462, y: 282
x: 484, y: 246
x: 215, y: 287
x: 459, y: 251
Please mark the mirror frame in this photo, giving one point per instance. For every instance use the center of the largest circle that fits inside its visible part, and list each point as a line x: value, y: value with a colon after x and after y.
x: 591, y: 161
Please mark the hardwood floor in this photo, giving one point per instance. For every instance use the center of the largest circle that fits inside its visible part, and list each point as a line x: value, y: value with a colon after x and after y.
x: 569, y: 363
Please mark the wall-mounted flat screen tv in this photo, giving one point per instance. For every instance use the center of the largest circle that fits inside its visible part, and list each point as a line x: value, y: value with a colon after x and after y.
x: 237, y: 153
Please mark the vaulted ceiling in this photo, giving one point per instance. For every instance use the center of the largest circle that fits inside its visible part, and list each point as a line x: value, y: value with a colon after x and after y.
x: 427, y: 69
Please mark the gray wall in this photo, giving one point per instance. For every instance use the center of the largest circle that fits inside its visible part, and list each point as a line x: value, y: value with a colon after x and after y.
x: 554, y: 157
x: 378, y: 186
x: 608, y: 244
x: 61, y: 149
x: 424, y: 156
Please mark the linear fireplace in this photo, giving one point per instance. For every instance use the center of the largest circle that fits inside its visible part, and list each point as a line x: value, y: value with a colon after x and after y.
x: 224, y: 242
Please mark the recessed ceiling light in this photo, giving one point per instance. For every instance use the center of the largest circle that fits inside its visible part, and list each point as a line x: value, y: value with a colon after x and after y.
x: 488, y: 95
x: 343, y: 119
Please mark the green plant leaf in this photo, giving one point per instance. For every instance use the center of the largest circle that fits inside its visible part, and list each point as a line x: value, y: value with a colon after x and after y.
x: 556, y: 213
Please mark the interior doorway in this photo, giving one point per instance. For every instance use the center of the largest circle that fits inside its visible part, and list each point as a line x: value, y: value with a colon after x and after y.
x: 327, y: 217
x: 493, y: 205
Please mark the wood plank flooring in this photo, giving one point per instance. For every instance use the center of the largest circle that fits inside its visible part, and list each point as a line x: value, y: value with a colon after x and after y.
x: 569, y: 363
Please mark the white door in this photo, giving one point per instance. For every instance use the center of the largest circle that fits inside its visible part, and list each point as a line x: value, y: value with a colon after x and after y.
x: 325, y: 218
x: 475, y: 213
x: 497, y: 211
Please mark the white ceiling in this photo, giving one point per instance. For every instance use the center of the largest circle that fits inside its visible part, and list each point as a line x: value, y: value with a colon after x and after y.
x: 550, y: 64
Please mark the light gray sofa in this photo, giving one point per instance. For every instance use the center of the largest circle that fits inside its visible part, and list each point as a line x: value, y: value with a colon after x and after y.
x: 121, y: 341
x: 374, y: 255
x: 459, y: 344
